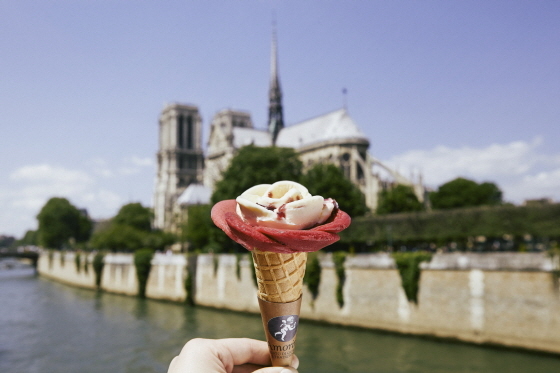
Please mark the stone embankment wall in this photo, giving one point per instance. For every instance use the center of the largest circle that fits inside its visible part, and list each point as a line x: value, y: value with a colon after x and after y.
x: 509, y: 299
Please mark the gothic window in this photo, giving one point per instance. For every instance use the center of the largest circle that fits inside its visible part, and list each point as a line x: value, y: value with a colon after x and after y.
x: 360, y: 172
x: 180, y: 163
x: 190, y: 136
x: 180, y: 132
x: 191, y: 163
x: 363, y: 153
x: 345, y: 164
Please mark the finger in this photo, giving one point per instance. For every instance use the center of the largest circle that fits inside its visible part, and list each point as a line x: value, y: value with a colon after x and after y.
x: 244, y: 350
x: 276, y: 370
x: 173, y: 362
x: 200, y: 355
x: 246, y: 368
x: 295, y: 362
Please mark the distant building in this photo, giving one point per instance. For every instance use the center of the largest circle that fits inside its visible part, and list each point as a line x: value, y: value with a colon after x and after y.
x: 180, y: 160
x: 186, y: 177
x: 538, y: 202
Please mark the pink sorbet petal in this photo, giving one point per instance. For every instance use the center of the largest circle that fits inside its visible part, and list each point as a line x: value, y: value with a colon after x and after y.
x: 249, y: 237
x: 301, y: 240
x: 277, y: 240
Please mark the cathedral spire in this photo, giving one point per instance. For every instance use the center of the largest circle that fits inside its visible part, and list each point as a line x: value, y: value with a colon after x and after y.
x: 275, y: 112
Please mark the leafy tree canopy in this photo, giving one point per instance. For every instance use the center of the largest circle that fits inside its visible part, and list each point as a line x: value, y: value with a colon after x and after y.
x: 60, y: 223
x: 135, y: 215
x: 462, y: 192
x: 198, y: 229
x: 255, y: 165
x: 29, y: 238
x: 398, y: 199
x: 131, y: 230
x: 329, y: 181
x: 119, y: 237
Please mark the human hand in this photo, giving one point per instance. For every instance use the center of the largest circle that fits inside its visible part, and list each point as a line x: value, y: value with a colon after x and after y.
x: 231, y: 355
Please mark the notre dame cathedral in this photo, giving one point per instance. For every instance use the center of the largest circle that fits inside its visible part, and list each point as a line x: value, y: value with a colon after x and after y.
x: 186, y: 175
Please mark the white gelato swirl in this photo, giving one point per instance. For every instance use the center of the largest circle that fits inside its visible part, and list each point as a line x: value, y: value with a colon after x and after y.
x: 283, y: 205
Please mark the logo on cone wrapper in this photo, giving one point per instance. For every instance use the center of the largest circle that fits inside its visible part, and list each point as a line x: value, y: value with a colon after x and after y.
x: 283, y: 328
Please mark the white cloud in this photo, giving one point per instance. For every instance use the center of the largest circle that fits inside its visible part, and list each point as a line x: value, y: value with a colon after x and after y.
x: 29, y: 188
x: 34, y: 184
x: 102, y: 200
x: 545, y: 184
x: 48, y: 173
x: 134, y: 165
x: 519, y: 168
x: 101, y: 186
x: 141, y: 162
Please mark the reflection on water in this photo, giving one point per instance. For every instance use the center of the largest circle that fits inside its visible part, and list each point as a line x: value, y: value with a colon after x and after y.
x: 50, y: 327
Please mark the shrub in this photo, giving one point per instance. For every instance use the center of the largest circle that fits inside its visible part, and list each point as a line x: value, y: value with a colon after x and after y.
x: 339, y: 258
x: 143, y: 264
x: 312, y: 276
x: 408, y: 264
x: 78, y: 262
x: 98, y: 264
x: 190, y: 279
x: 86, y: 264
x: 457, y: 226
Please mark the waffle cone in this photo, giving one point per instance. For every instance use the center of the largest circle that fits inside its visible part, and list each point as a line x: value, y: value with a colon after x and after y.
x: 279, y: 276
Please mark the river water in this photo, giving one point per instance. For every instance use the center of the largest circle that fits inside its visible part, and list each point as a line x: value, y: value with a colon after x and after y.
x: 48, y: 327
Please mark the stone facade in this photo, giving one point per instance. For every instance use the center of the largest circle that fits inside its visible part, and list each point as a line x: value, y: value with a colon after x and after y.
x: 180, y: 160
x: 221, y: 142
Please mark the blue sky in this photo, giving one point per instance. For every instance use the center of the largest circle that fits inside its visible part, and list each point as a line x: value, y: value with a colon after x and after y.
x: 442, y: 88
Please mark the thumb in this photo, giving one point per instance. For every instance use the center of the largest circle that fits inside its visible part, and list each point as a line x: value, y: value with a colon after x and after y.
x: 276, y: 370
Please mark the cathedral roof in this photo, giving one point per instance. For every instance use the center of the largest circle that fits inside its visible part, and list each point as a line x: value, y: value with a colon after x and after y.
x: 250, y: 136
x: 195, y: 194
x: 336, y: 126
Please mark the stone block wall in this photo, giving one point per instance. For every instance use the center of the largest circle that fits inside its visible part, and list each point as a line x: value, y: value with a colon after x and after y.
x: 509, y: 299
x: 62, y: 267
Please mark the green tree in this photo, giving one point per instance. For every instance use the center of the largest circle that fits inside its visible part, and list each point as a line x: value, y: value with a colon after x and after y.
x: 255, y: 165
x: 329, y: 181
x: 29, y: 238
x: 60, y: 223
x: 131, y: 230
x: 462, y: 192
x: 135, y: 215
x: 197, y: 230
x: 398, y: 199
x: 119, y: 237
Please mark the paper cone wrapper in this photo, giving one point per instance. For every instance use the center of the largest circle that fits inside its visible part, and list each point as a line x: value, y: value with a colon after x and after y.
x: 280, y: 284
x: 280, y: 322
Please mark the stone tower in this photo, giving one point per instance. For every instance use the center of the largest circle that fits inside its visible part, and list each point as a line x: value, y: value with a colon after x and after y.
x: 275, y: 111
x: 180, y: 159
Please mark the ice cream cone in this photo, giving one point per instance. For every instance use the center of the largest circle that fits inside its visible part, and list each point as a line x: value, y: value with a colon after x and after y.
x: 279, y: 276
x: 280, y: 224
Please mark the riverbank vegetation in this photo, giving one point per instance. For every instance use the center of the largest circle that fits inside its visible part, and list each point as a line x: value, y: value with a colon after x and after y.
x: 143, y: 265
x: 98, y: 264
x: 408, y: 264
x: 485, y: 228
